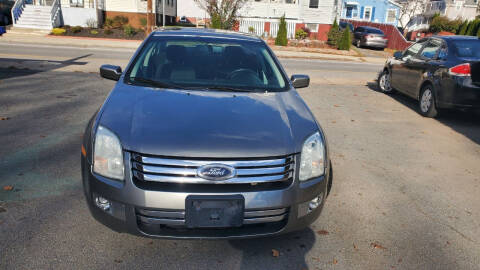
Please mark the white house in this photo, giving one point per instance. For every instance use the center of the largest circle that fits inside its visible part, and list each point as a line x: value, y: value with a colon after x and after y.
x: 46, y: 14
x: 263, y: 15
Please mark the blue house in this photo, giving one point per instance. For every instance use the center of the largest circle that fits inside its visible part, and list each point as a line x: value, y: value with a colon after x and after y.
x: 380, y: 11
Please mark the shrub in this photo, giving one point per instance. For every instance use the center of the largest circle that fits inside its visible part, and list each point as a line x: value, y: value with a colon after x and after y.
x: 473, y: 28
x: 76, y: 29
x: 94, y: 32
x: 335, y: 24
x: 108, y: 32
x: 216, y: 22
x: 334, y: 34
x: 281, y: 39
x: 91, y: 23
x: 442, y: 23
x: 108, y: 24
x: 345, y: 41
x: 251, y: 29
x: 478, y: 32
x: 119, y: 21
x: 58, y: 31
x: 129, y: 31
x: 463, y: 28
x: 300, y: 34
x: 143, y: 22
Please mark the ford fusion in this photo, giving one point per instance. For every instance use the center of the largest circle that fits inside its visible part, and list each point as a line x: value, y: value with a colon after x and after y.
x: 204, y: 136
x: 440, y: 72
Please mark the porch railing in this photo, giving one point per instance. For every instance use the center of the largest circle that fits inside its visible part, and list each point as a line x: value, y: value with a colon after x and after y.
x: 17, y: 10
x: 55, y: 13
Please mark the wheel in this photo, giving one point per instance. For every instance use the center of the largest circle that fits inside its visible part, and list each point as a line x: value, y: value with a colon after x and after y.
x: 359, y: 44
x: 384, y: 82
x: 427, y: 102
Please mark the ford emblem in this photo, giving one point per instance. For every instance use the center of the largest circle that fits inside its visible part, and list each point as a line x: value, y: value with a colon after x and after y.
x: 216, y: 172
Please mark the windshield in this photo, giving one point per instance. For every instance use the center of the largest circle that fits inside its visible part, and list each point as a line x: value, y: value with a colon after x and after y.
x: 206, y: 63
x: 467, y: 48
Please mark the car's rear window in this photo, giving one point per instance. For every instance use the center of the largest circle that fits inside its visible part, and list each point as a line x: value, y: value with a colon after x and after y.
x: 196, y: 62
x: 374, y: 31
x: 467, y: 48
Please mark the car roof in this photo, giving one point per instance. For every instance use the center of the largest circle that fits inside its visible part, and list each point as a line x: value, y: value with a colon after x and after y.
x: 453, y: 38
x: 205, y: 32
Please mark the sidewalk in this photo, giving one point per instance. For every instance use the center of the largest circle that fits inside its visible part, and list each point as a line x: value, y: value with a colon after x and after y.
x: 42, y: 37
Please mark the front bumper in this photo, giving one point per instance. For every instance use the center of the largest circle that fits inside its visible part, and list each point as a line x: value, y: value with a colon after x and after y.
x: 129, y: 204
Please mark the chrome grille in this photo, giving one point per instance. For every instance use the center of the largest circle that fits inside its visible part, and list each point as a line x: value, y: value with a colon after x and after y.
x: 248, y: 171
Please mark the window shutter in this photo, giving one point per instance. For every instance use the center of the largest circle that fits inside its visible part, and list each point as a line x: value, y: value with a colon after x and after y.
x: 361, y: 12
x: 372, y: 17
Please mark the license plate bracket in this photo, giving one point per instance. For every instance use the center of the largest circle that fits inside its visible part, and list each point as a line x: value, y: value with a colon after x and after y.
x: 204, y: 211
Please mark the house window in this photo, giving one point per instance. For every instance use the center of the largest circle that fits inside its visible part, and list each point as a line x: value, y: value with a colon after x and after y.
x: 351, y: 11
x: 76, y: 3
x: 313, y: 4
x: 367, y: 14
x: 391, y: 16
x: 312, y: 27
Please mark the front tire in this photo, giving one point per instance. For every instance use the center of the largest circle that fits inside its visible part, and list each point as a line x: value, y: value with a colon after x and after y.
x: 359, y: 43
x: 426, y: 102
x: 384, y: 82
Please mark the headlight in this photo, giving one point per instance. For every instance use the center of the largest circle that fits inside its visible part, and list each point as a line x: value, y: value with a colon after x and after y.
x: 108, y: 157
x: 312, y: 159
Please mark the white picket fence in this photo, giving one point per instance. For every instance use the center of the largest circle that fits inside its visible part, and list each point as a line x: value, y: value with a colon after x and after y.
x: 259, y: 27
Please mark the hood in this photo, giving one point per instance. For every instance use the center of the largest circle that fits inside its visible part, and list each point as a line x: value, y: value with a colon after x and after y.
x: 207, y: 123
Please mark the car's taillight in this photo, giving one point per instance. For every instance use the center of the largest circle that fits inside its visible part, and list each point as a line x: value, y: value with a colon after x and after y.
x: 460, y: 70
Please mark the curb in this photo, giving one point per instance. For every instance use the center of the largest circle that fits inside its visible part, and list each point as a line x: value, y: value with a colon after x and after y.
x: 94, y: 38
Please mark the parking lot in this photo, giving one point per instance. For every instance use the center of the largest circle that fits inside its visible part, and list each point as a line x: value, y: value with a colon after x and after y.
x: 405, y: 190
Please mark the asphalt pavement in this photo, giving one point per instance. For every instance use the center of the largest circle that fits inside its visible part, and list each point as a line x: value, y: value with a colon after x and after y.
x: 405, y: 191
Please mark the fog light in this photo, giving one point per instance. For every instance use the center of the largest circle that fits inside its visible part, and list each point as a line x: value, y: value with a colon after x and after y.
x: 315, y: 202
x: 102, y: 203
x: 308, y: 206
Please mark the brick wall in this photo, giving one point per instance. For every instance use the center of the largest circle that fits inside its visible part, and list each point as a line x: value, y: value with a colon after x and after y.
x: 396, y: 41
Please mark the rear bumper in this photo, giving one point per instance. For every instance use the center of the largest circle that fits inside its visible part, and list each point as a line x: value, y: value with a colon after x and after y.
x: 459, y: 93
x: 130, y: 203
x: 375, y: 43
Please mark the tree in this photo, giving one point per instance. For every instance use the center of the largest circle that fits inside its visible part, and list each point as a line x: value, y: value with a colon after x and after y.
x: 409, y: 10
x: 473, y: 28
x: 345, y: 41
x: 281, y: 39
x: 463, y: 28
x: 223, y: 13
x: 335, y: 24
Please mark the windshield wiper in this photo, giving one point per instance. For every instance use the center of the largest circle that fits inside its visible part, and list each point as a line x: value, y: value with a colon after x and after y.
x: 156, y: 83
x: 226, y: 88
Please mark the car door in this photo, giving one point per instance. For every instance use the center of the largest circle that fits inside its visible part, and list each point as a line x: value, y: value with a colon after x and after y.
x: 419, y: 68
x: 398, y: 68
x: 357, y: 34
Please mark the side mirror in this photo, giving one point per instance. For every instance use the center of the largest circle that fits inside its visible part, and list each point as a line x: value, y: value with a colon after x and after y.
x: 300, y: 81
x: 398, y: 55
x: 111, y: 72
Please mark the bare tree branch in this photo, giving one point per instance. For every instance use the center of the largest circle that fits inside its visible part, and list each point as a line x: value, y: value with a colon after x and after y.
x: 223, y: 13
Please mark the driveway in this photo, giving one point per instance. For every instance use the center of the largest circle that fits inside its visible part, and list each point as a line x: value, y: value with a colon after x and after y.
x: 405, y: 192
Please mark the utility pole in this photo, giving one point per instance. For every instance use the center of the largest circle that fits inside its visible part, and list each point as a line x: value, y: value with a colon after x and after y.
x: 149, y: 17
x: 163, y: 12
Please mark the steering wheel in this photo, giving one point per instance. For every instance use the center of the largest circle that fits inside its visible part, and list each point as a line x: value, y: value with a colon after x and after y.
x: 243, y: 74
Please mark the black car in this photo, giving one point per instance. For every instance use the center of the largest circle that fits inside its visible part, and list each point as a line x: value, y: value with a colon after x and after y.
x: 440, y: 72
x: 344, y: 25
x: 369, y: 37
